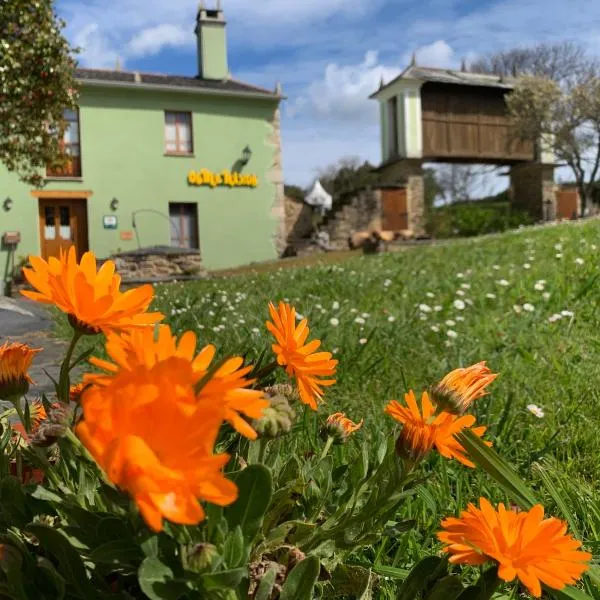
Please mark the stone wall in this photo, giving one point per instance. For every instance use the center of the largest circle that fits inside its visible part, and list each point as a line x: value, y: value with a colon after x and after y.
x: 360, y: 212
x: 276, y: 178
x: 159, y: 263
x: 298, y: 220
x: 532, y: 189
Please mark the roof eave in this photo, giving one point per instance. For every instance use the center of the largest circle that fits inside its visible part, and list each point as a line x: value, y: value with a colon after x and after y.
x: 176, y: 88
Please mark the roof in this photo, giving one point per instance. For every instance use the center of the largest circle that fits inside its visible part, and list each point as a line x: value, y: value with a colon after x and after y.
x: 430, y: 74
x: 229, y: 87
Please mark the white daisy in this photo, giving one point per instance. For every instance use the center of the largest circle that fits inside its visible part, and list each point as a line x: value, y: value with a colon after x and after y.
x: 503, y: 282
x: 517, y: 308
x: 459, y: 304
x: 579, y: 261
x: 450, y: 323
x: 435, y: 328
x: 334, y: 322
x: 534, y: 409
x: 491, y: 296
x: 451, y: 333
x: 528, y: 307
x: 363, y: 341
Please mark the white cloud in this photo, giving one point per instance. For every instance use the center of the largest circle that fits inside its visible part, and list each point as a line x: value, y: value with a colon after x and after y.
x: 343, y: 91
x: 152, y: 40
x: 96, y: 49
x: 439, y: 54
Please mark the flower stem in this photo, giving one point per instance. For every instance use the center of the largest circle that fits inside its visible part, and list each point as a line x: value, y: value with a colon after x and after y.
x: 328, y: 444
x: 263, y: 448
x: 63, y: 381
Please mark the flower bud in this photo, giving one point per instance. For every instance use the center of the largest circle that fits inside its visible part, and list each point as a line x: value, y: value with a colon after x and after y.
x: 415, y: 443
x: 201, y: 556
x: 339, y: 427
x: 277, y: 419
x: 461, y: 387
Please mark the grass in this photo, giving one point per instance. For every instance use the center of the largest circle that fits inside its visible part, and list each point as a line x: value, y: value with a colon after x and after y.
x: 402, y: 320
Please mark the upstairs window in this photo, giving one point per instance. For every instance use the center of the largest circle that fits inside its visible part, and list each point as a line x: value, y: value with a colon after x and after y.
x: 178, y: 133
x: 71, y: 146
x: 393, y: 126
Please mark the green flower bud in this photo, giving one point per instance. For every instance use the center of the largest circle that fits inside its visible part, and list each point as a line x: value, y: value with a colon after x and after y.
x: 277, y: 419
x: 200, y: 557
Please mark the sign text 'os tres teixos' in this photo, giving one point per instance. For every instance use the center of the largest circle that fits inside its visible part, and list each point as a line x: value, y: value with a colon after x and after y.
x: 223, y: 179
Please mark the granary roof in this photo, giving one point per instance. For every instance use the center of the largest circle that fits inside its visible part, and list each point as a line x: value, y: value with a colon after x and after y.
x: 131, y: 79
x: 430, y: 74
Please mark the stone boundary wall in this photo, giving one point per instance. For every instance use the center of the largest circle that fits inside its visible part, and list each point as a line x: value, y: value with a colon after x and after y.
x: 159, y: 263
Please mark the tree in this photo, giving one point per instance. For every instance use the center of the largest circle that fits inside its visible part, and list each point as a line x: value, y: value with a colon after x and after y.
x: 432, y: 188
x: 36, y: 84
x: 566, y: 118
x: 564, y: 62
x: 347, y: 175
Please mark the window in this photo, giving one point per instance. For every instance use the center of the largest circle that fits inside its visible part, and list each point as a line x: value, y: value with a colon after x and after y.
x: 71, y: 146
x: 184, y: 224
x: 393, y: 126
x: 178, y: 133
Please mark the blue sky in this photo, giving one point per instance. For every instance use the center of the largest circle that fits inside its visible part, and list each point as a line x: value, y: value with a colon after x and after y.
x: 329, y: 55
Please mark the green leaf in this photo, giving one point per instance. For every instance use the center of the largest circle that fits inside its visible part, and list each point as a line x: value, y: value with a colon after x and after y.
x: 255, y: 490
x: 497, y: 468
x: 426, y: 571
x: 13, y: 502
x: 447, y: 588
x: 569, y: 593
x: 121, y: 552
x: 266, y: 585
x: 48, y: 579
x: 301, y: 580
x: 353, y: 581
x: 235, y: 551
x: 158, y: 582
x: 70, y: 565
x: 223, y: 579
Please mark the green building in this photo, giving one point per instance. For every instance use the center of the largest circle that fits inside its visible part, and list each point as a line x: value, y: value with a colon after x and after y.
x: 160, y: 160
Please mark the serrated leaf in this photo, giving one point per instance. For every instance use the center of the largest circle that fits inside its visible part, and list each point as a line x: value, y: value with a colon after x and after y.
x: 265, y: 588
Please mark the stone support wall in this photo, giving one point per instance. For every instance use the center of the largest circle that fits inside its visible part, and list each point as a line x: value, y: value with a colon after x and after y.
x: 410, y: 173
x: 532, y: 189
x: 160, y: 262
x: 278, y: 211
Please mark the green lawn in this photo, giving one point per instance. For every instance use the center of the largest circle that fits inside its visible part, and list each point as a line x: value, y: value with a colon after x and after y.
x: 402, y: 320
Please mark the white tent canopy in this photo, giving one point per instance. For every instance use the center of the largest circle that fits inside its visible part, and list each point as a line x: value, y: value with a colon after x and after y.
x: 318, y: 197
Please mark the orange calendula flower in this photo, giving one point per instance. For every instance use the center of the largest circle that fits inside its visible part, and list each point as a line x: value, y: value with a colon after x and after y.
x: 341, y: 427
x: 461, y: 387
x: 90, y: 298
x: 75, y: 391
x: 523, y: 544
x: 228, y: 385
x: 153, y: 439
x: 422, y: 429
x: 300, y: 359
x: 15, y: 361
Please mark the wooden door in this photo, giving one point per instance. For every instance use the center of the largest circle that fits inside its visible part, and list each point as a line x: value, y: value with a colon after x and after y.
x: 63, y: 223
x: 566, y: 204
x: 395, y: 214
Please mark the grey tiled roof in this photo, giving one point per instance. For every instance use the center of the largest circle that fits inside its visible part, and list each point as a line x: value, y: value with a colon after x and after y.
x: 453, y: 77
x: 175, y: 81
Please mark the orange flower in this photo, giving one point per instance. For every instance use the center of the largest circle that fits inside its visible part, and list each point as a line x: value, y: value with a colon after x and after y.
x: 153, y: 439
x: 422, y: 429
x: 301, y: 361
x: 37, y: 415
x: 15, y: 361
x: 341, y: 427
x: 227, y: 386
x: 75, y: 391
x: 457, y: 390
x: 91, y: 299
x: 523, y: 544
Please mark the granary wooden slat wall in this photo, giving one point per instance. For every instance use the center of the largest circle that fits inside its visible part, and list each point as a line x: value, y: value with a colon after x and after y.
x: 462, y: 121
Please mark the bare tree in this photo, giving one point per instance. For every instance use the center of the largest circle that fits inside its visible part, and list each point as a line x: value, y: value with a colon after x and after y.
x: 565, y: 62
x: 463, y: 183
x: 567, y: 119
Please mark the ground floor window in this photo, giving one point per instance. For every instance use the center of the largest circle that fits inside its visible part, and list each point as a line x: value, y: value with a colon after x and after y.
x: 184, y: 224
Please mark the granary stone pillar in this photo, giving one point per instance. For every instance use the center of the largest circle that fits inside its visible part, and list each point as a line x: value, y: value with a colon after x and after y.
x: 532, y: 189
x: 276, y: 179
x: 410, y: 173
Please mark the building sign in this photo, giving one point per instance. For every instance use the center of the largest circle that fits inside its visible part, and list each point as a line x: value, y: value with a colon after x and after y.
x: 110, y: 221
x: 222, y: 179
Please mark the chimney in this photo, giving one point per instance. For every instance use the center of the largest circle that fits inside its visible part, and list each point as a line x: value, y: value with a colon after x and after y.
x: 212, y: 43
